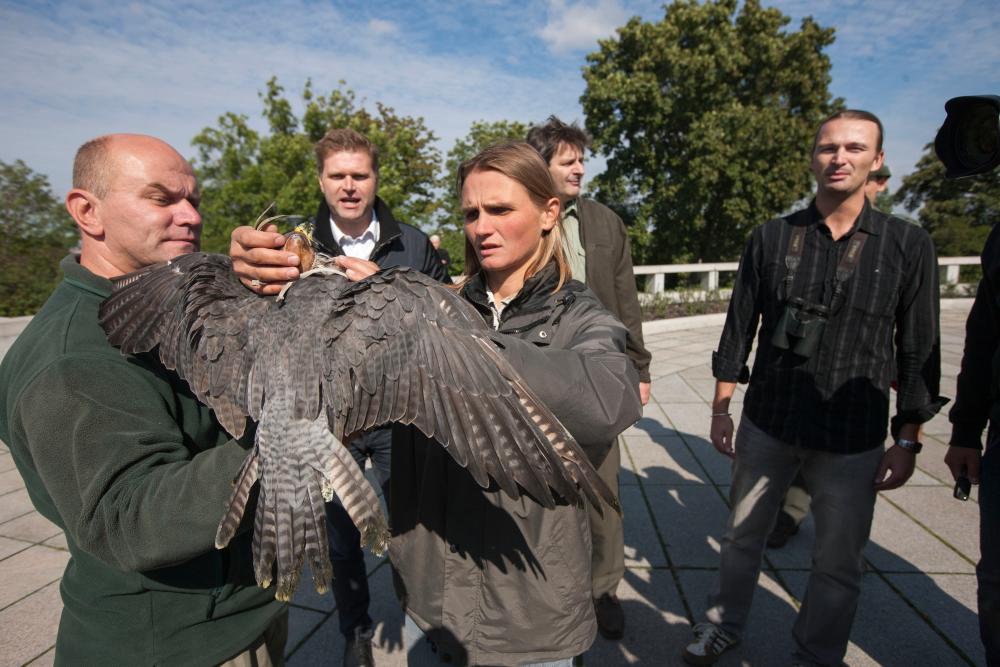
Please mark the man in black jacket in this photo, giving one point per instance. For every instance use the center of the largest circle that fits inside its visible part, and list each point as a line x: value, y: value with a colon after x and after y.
x: 967, y: 145
x: 977, y: 403
x: 359, y: 229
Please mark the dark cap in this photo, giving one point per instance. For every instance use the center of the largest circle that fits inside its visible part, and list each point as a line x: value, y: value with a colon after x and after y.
x: 881, y: 172
x: 969, y: 141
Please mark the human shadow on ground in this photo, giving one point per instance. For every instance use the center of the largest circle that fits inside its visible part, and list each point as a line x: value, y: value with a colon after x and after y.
x: 896, y: 624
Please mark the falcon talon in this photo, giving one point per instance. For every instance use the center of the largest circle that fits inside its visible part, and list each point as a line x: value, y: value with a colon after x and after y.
x: 280, y: 298
x: 324, y: 270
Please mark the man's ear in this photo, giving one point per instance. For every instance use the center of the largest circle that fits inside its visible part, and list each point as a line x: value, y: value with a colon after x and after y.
x: 82, y: 206
x: 879, y: 159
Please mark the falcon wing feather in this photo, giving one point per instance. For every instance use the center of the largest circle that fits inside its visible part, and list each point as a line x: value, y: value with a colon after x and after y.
x: 449, y: 371
x: 195, y: 311
x: 333, y: 359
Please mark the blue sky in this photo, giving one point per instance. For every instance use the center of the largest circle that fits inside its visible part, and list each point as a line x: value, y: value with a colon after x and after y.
x: 71, y: 71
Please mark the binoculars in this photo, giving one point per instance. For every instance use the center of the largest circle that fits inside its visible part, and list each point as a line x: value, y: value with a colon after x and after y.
x: 800, y: 328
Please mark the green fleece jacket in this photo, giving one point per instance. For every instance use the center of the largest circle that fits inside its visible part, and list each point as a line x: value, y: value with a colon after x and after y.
x: 119, y: 454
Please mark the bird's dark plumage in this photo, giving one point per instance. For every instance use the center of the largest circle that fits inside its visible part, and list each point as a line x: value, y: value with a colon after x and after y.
x: 332, y: 359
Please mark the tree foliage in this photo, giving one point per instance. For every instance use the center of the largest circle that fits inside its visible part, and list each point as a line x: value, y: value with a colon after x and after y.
x: 241, y: 170
x: 35, y: 233
x: 884, y: 200
x: 707, y: 120
x: 482, y: 134
x: 958, y: 214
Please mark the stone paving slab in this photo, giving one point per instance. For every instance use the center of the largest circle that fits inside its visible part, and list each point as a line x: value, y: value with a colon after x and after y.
x: 29, y: 626
x: 642, y: 542
x: 718, y: 468
x: 6, y: 463
x: 10, y: 481
x: 29, y: 571
x: 663, y: 460
x: 47, y: 659
x: 899, y: 545
x: 949, y: 601
x: 31, y: 527
x: 9, y: 547
x: 918, y: 599
x: 15, y: 504
x: 954, y: 522
x: 691, y: 520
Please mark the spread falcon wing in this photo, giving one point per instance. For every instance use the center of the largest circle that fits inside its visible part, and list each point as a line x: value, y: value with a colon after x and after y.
x: 332, y: 359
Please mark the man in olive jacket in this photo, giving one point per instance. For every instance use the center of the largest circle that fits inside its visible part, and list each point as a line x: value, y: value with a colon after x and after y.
x: 597, y: 248
x: 117, y: 451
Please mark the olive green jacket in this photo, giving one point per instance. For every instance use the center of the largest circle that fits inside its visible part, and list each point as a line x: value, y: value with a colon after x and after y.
x: 121, y: 456
x: 610, y: 275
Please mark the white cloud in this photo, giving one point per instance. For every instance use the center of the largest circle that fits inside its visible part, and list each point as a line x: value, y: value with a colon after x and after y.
x: 578, y: 26
x: 171, y: 67
x: 78, y: 72
x: 382, y: 27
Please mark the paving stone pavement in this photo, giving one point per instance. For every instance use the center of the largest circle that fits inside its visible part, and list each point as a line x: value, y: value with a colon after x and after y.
x: 917, y: 604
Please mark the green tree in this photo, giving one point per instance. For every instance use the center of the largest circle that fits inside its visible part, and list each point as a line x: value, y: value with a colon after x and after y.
x: 481, y: 134
x: 958, y: 214
x: 242, y: 170
x: 35, y: 233
x: 707, y: 120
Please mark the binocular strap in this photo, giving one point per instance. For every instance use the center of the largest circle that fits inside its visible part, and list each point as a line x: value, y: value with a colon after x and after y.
x: 845, y: 268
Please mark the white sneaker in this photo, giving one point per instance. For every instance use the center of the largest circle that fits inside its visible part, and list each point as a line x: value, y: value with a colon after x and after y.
x: 710, y: 642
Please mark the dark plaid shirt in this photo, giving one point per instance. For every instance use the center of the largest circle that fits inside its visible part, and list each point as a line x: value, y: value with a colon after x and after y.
x: 838, y: 399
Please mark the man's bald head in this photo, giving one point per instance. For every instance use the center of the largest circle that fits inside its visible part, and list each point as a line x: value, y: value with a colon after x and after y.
x: 96, y: 161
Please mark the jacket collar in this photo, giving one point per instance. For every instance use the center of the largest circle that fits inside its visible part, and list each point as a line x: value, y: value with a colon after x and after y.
x: 532, y: 298
x: 870, y: 220
x: 82, y: 278
x: 388, y: 228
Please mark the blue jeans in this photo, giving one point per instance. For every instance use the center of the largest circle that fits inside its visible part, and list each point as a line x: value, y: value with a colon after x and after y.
x: 843, y: 501
x: 988, y: 569
x: 420, y: 652
x: 350, y: 577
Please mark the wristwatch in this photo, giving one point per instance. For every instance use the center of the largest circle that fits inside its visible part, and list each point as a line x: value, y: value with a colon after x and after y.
x: 910, y: 445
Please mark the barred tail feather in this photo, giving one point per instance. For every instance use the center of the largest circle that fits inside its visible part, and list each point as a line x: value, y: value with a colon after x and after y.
x: 317, y: 546
x: 344, y: 478
x: 300, y: 467
x: 237, y: 505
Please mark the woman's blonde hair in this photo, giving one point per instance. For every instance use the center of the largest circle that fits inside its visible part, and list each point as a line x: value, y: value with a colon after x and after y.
x: 520, y: 162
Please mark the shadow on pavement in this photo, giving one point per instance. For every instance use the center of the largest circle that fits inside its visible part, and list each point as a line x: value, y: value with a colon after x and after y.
x: 904, y: 616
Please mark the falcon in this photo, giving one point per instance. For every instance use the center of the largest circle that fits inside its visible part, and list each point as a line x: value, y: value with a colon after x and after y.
x: 330, y: 358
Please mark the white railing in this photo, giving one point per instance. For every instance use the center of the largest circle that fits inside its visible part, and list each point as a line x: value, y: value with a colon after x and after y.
x: 710, y: 272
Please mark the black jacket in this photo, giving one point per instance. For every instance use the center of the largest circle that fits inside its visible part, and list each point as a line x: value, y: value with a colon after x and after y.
x: 399, y: 244
x: 978, y: 396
